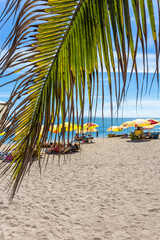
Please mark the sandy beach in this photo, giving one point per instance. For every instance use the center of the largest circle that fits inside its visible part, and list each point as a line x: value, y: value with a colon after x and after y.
x: 108, y: 191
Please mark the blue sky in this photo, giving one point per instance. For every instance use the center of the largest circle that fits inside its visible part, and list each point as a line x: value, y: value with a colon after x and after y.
x: 150, y: 104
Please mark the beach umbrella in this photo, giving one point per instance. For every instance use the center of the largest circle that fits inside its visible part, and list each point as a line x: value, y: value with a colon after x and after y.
x: 153, y: 121
x: 141, y: 122
x: 127, y: 124
x: 115, y: 129
x: 92, y: 130
x: 86, y: 130
x: 67, y: 126
x: 55, y: 129
x: 136, y: 122
x: 70, y: 127
x: 90, y: 125
x: 87, y: 127
x: 150, y: 126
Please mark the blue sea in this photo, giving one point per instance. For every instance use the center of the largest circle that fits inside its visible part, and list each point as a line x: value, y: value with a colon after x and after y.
x: 105, y: 123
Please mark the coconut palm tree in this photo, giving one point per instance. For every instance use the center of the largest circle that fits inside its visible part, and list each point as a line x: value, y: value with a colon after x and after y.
x: 58, y: 48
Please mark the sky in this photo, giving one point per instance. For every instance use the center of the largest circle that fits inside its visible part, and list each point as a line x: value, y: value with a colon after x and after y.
x: 149, y: 106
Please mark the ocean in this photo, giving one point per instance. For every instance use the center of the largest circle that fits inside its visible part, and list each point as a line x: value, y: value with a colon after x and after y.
x: 105, y: 123
x: 116, y: 122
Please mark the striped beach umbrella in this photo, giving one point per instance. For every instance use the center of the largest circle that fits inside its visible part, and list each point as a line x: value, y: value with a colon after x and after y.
x: 90, y: 125
x: 115, y: 129
x: 136, y: 122
x: 86, y: 130
x: 87, y: 127
x: 153, y: 121
x: 67, y: 126
x: 151, y: 126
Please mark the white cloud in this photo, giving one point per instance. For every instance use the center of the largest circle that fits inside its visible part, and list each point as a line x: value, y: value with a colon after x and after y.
x: 139, y: 60
x: 146, y: 108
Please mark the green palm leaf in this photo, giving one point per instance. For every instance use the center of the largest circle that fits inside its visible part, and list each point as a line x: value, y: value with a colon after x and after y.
x: 60, y: 44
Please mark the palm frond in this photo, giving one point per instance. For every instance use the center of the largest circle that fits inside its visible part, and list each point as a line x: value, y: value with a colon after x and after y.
x: 60, y: 44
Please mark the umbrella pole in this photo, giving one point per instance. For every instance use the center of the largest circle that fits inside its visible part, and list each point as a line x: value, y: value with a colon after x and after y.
x: 63, y: 134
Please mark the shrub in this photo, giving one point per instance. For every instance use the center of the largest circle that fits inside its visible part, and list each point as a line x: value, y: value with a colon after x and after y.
x: 133, y: 136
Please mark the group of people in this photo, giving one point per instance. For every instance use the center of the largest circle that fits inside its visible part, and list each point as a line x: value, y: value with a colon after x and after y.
x: 83, y: 138
x: 71, y: 147
x: 61, y: 148
x: 139, y: 133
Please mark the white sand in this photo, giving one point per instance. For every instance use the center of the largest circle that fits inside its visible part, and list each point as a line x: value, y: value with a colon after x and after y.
x: 110, y: 191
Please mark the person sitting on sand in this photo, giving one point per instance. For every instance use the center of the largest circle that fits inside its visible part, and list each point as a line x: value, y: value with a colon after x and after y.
x: 138, y: 132
x: 76, y: 137
x: 56, y: 148
x: 74, y: 147
x: 84, y: 138
x: 71, y: 148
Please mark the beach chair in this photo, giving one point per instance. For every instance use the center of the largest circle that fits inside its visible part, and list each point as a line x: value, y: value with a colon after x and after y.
x: 111, y: 135
x: 124, y: 135
x: 155, y: 135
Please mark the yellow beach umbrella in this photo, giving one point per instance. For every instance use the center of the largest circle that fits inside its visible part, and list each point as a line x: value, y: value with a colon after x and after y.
x: 141, y: 122
x: 90, y: 125
x: 92, y: 130
x: 150, y: 126
x: 153, y: 121
x: 70, y: 127
x: 127, y: 124
x: 67, y: 126
x: 87, y: 127
x: 55, y: 129
x: 86, y: 130
x: 115, y: 129
x: 137, y: 122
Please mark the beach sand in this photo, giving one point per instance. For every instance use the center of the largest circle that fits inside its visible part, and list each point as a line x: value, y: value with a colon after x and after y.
x: 109, y: 191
